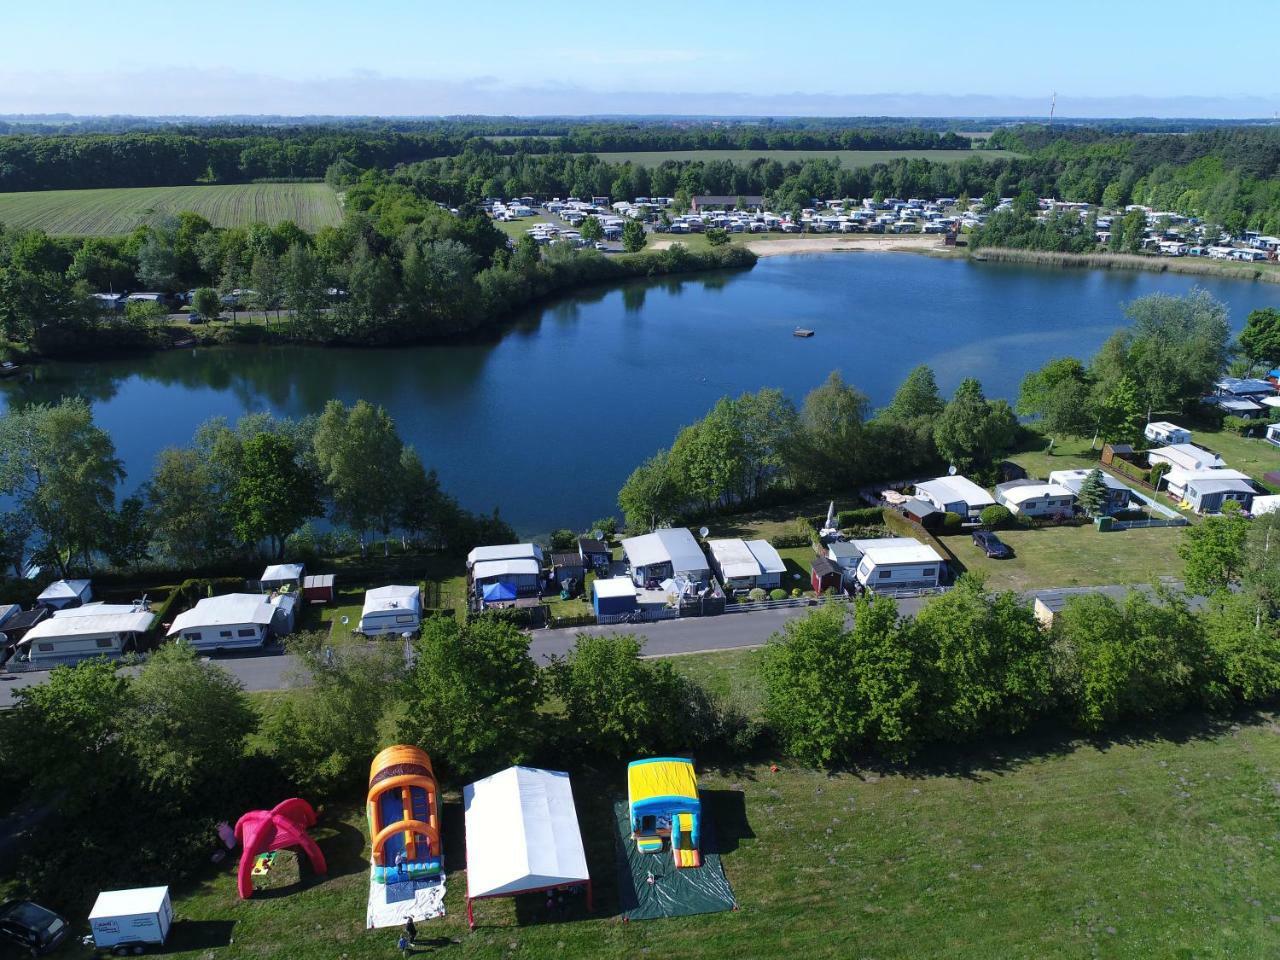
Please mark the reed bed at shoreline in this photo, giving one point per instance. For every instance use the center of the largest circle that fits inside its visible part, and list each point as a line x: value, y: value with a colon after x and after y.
x: 1267, y: 273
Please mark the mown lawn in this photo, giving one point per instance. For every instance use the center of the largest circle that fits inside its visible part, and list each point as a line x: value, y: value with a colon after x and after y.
x: 1150, y: 847
x: 1074, y: 557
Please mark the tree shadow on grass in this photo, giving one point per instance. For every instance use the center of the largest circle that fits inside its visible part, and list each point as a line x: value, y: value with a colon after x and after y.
x: 998, y: 756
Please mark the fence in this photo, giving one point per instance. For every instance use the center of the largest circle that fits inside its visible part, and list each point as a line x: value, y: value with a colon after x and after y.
x: 640, y: 616
x: 1138, y: 524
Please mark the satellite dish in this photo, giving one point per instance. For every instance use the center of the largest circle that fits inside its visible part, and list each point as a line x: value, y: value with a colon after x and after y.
x: 345, y: 621
x: 597, y: 534
x: 795, y: 576
x: 703, y: 531
x: 951, y: 470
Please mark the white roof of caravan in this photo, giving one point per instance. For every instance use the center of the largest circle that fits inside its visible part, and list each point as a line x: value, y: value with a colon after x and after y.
x: 1030, y: 491
x: 128, y: 903
x: 522, y: 833
x: 1186, y: 455
x: 957, y: 488
x: 394, y: 597
x: 1064, y: 477
x: 96, y: 610
x: 499, y: 568
x: 88, y: 626
x: 674, y: 545
x: 734, y: 558
x: 1165, y: 426
x: 63, y: 589
x: 505, y: 551
x: 890, y: 550
x: 614, y: 587
x: 768, y: 558
x: 229, y: 608
x: 282, y: 571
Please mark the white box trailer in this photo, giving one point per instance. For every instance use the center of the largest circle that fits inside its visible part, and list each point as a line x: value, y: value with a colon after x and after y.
x: 129, y: 921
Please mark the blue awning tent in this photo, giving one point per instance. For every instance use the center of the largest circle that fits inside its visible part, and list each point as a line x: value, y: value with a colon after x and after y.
x: 498, y: 591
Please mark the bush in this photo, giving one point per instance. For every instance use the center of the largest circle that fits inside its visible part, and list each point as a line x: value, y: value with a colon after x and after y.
x: 952, y: 522
x: 795, y: 593
x: 563, y: 539
x: 1241, y: 425
x: 867, y: 516
x: 777, y: 594
x: 995, y: 516
x: 1158, y: 470
x: 616, y: 704
x: 473, y: 695
x: 757, y: 595
x: 800, y: 534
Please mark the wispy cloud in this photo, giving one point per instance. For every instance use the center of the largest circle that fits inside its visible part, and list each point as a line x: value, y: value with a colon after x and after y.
x: 228, y: 91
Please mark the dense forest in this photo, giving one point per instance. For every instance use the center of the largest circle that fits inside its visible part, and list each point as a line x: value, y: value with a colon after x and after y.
x: 241, y: 153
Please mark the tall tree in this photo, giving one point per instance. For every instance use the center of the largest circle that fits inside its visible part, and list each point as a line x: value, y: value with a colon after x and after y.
x: 62, y: 471
x: 1260, y: 338
x: 1213, y: 552
x: 189, y: 513
x: 973, y: 430
x: 633, y: 236
x: 1058, y: 394
x: 275, y: 493
x: 358, y: 451
x: 917, y: 396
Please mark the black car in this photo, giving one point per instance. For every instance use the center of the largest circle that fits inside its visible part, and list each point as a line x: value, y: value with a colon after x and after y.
x: 991, y: 545
x: 32, y: 927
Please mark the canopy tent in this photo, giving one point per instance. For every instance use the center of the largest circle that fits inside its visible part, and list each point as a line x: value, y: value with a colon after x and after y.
x: 499, y: 590
x: 522, y: 835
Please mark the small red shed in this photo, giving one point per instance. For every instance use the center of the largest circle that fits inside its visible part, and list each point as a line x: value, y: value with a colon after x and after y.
x: 825, y: 575
x: 318, y: 588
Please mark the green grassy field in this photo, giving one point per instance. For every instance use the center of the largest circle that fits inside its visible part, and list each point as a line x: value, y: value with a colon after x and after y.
x: 850, y: 159
x: 100, y: 213
x: 1153, y: 846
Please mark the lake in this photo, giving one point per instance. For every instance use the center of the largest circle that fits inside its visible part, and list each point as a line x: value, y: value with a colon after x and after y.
x: 547, y: 421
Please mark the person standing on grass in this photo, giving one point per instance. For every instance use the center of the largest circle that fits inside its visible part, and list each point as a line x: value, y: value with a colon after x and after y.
x: 403, y: 944
x: 411, y: 930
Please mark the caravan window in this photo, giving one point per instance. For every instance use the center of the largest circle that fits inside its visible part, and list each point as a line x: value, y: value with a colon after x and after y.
x: 104, y: 643
x: 405, y: 618
x: 250, y: 632
x: 885, y: 574
x: 224, y: 633
x: 193, y: 636
x: 45, y: 647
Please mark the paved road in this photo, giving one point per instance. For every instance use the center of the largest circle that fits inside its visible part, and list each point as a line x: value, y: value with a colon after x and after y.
x: 275, y: 670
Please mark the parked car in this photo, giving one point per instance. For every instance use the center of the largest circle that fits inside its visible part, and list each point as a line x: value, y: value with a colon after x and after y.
x: 194, y: 318
x: 991, y: 545
x: 32, y: 927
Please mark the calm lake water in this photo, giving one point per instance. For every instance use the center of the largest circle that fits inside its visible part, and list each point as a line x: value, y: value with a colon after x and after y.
x: 548, y: 421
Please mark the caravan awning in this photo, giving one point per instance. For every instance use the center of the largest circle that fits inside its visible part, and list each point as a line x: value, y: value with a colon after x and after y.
x: 522, y: 834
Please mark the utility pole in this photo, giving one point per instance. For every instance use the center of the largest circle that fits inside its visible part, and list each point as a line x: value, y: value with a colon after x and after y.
x: 1053, y: 105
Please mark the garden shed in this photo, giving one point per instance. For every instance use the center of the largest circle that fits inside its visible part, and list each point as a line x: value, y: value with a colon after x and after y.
x: 613, y: 597
x: 318, y: 588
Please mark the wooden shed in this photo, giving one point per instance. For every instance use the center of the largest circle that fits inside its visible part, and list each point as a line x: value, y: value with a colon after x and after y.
x: 825, y: 575
x: 318, y: 588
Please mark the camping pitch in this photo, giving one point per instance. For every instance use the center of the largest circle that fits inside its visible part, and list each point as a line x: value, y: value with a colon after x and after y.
x: 522, y: 836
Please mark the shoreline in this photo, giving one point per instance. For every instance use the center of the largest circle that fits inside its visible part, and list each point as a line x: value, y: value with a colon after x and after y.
x: 785, y: 246
x: 1191, y: 266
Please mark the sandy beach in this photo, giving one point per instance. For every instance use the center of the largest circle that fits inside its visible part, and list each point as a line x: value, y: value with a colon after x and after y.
x: 780, y: 245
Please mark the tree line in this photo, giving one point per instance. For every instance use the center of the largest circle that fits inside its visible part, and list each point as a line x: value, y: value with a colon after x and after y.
x: 759, y: 446
x: 398, y: 268
x: 975, y: 663
x: 235, y: 492
x: 224, y: 153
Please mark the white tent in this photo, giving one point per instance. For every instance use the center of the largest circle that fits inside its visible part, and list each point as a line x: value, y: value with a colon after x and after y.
x: 522, y: 835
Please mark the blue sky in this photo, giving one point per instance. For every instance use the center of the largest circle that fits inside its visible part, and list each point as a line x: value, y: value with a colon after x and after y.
x: 1174, y: 57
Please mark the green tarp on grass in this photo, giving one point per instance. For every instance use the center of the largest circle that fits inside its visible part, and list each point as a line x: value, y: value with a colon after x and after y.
x: 650, y: 886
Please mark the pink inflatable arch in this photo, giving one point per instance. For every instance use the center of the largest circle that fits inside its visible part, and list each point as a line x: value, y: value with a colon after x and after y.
x: 284, y: 825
